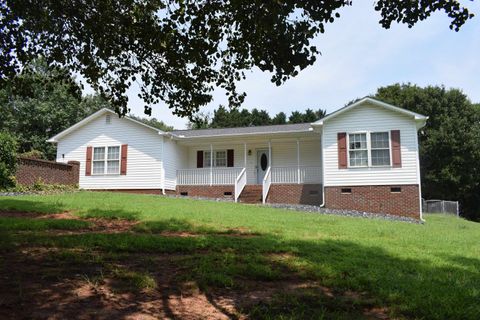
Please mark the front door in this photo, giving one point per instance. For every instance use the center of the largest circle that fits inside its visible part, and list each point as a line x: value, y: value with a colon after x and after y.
x: 262, y: 164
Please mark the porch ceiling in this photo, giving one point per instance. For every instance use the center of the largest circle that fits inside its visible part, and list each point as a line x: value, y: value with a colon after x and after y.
x: 249, y: 139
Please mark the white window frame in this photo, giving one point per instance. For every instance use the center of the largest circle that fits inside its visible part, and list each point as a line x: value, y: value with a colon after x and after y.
x: 369, y: 149
x: 367, y: 137
x: 389, y: 150
x: 206, y: 164
x: 106, y: 160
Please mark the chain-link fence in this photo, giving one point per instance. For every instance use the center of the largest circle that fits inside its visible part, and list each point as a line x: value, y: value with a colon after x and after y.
x: 440, y: 206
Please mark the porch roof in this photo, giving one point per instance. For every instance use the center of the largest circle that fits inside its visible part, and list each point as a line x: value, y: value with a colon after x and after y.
x: 205, y: 133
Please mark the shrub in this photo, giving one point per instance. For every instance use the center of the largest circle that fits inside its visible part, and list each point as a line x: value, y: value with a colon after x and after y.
x: 8, y: 160
x: 33, y: 154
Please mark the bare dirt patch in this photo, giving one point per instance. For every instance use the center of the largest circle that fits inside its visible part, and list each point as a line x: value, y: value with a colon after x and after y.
x: 53, y: 283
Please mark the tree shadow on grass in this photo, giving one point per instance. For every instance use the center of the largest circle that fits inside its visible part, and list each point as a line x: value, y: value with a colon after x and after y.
x: 236, y: 266
x: 264, y: 275
x: 23, y: 205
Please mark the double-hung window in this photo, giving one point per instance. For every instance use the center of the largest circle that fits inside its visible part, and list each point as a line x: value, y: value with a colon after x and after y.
x: 358, y: 149
x: 380, y: 148
x: 369, y: 149
x: 106, y: 160
x: 219, y: 158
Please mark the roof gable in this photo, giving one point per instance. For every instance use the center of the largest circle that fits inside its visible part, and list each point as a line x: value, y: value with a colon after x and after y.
x: 92, y: 117
x: 419, y: 118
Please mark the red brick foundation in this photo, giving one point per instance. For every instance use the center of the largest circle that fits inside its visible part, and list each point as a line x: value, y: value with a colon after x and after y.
x: 375, y: 199
x: 295, y: 194
x: 29, y: 171
x: 207, y: 191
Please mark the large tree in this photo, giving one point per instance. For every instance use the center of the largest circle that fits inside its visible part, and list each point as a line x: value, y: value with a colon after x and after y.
x: 449, y: 152
x: 178, y: 51
x: 40, y: 102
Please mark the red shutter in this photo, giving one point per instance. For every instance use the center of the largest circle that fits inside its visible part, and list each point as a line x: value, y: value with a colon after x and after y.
x: 396, y: 150
x: 88, y: 163
x: 123, y: 159
x: 230, y: 158
x: 342, y: 150
x: 199, y: 159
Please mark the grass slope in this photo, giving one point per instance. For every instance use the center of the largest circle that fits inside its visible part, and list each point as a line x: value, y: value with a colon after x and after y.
x: 416, y: 271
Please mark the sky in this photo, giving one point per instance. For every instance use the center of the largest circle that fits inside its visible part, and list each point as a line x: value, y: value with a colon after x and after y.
x: 357, y: 57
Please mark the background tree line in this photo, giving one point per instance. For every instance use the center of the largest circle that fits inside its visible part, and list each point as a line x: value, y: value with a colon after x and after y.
x: 234, y: 117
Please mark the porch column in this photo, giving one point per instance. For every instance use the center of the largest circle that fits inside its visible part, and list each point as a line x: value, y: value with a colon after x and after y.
x: 211, y: 164
x: 269, y: 153
x: 298, y: 161
x: 245, y: 154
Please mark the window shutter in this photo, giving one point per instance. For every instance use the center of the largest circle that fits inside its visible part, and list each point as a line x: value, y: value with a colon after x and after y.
x: 88, y: 163
x: 396, y: 148
x: 230, y: 158
x: 342, y: 150
x: 123, y: 159
x: 199, y: 159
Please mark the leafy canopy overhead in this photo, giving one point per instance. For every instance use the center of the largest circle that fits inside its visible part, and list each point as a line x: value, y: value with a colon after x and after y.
x: 178, y: 51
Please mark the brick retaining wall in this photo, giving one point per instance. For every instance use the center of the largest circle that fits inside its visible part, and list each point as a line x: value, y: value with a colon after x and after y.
x: 30, y: 171
x: 375, y: 199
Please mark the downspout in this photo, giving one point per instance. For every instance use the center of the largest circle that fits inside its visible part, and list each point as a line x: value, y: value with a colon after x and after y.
x: 419, y: 179
x: 323, y: 170
x: 163, y: 166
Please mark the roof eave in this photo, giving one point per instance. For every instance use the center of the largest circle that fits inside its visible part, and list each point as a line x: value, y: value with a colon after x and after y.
x: 182, y: 137
x: 91, y: 117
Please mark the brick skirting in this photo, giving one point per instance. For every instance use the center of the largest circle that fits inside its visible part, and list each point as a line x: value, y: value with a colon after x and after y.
x: 295, y: 194
x: 217, y: 191
x: 29, y: 171
x: 375, y: 199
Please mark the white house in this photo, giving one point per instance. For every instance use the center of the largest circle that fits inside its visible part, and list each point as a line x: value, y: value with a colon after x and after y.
x: 361, y: 157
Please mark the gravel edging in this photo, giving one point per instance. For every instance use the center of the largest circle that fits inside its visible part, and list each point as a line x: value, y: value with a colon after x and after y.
x: 344, y: 213
x: 14, y: 194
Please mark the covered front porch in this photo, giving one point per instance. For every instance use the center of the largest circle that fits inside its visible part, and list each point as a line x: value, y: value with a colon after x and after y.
x: 253, y: 165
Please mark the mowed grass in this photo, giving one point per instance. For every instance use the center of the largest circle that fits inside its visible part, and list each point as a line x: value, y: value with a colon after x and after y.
x: 429, y: 271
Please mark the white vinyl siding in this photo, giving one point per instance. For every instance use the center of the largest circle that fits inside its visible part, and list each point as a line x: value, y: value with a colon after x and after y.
x: 144, y: 167
x: 175, y: 157
x: 370, y: 119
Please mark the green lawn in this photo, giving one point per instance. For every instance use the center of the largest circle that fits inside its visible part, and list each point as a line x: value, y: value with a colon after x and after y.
x: 429, y: 271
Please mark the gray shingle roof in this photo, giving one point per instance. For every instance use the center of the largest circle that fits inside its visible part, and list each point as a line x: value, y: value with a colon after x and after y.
x: 297, y: 127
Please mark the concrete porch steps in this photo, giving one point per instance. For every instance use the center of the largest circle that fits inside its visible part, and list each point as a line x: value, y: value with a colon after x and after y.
x: 252, y: 193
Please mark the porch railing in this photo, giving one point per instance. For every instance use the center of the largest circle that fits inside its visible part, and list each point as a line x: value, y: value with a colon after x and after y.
x: 208, y: 176
x: 295, y: 174
x: 267, y: 182
x: 240, y: 183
